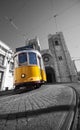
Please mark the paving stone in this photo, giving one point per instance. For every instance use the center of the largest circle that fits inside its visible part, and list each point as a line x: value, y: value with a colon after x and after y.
x: 10, y: 125
x: 39, y: 109
x: 2, y: 124
x: 21, y: 124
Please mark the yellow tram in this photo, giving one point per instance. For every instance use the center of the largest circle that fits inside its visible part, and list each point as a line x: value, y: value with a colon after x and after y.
x: 29, y: 69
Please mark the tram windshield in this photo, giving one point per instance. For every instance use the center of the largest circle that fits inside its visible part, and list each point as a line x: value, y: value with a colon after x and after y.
x: 32, y: 58
x: 22, y: 58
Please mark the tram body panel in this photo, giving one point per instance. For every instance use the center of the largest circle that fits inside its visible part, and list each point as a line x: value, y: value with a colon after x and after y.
x: 43, y: 74
x: 27, y: 74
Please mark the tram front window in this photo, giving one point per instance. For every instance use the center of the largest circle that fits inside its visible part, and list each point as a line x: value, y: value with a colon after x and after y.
x: 32, y: 58
x: 22, y: 58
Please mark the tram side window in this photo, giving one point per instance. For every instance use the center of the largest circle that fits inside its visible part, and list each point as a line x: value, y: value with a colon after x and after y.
x: 32, y: 58
x: 22, y: 58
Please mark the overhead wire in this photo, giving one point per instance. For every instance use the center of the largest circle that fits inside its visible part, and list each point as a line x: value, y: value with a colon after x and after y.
x: 54, y: 16
x: 15, y: 26
x: 11, y: 22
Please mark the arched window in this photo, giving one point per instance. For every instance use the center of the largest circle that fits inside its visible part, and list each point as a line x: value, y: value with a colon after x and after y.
x: 60, y: 58
x: 46, y: 57
x: 56, y: 43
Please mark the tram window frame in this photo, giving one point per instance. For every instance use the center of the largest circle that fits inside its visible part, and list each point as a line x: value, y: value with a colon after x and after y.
x: 32, y: 63
x: 42, y: 63
x: 39, y: 61
x: 25, y: 61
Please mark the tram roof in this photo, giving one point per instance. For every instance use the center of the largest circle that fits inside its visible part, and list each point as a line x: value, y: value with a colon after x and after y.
x: 23, y: 49
x: 27, y: 47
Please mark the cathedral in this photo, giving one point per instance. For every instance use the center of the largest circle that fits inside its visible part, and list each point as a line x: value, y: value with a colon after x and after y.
x: 58, y: 64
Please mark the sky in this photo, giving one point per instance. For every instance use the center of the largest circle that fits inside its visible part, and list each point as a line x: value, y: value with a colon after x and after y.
x: 26, y: 19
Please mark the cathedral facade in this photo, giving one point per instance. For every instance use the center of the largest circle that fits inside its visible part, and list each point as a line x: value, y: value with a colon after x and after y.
x: 58, y: 64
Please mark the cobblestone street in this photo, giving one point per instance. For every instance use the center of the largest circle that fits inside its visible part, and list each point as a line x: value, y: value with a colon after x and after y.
x: 45, y: 108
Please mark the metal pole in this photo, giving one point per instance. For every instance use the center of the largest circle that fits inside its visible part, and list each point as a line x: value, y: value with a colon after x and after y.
x: 56, y: 22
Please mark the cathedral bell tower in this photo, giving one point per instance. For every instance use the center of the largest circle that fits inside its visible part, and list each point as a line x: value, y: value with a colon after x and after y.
x: 63, y: 65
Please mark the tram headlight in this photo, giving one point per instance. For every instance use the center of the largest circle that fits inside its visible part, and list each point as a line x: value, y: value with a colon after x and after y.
x: 23, y: 75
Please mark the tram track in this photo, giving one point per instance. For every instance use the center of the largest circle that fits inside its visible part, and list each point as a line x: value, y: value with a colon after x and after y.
x: 71, y: 121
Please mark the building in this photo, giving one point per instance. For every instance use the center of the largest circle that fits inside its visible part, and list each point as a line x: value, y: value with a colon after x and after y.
x: 58, y: 64
x: 6, y: 67
x: 34, y: 43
